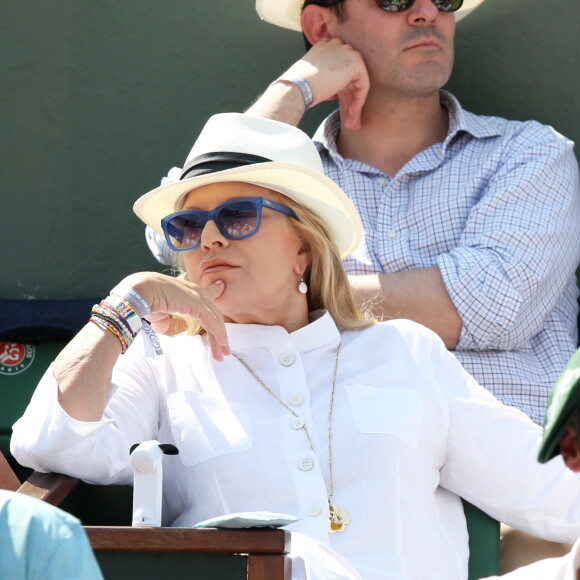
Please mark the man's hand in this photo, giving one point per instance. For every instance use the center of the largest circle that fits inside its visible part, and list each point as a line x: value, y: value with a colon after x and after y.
x: 334, y: 70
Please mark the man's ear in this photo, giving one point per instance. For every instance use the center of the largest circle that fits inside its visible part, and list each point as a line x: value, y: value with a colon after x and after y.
x: 570, y: 449
x: 317, y: 22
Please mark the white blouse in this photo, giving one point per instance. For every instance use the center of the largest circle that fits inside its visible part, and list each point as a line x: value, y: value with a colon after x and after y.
x: 411, y: 432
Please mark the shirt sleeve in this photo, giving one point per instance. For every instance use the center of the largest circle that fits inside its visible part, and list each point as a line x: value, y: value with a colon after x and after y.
x: 156, y: 242
x: 520, y: 246
x: 491, y: 459
x: 47, y: 439
x: 41, y: 542
x: 71, y: 555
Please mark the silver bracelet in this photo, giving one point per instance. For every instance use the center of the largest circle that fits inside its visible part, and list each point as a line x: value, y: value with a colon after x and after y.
x: 302, y: 84
x: 136, y: 301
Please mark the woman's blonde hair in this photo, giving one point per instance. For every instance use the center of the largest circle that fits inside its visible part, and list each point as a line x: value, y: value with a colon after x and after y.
x: 328, y: 285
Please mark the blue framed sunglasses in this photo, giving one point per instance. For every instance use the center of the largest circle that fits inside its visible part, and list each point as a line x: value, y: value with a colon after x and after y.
x: 236, y: 219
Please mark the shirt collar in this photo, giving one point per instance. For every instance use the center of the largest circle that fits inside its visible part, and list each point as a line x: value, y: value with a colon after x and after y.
x: 477, y: 126
x: 322, y: 331
x: 460, y: 120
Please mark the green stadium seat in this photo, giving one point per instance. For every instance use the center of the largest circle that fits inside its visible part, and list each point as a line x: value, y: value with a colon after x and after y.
x: 21, y: 367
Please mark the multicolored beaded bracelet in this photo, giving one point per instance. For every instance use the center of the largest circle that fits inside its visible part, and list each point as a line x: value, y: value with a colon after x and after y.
x: 106, y: 325
x: 127, y: 314
x: 133, y: 298
x: 118, y: 318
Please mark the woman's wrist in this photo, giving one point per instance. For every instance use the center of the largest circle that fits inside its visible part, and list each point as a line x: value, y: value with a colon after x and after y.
x: 117, y: 317
x: 132, y: 297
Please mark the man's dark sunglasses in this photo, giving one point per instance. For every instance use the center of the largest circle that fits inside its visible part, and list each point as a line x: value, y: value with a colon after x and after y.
x: 235, y: 219
x: 400, y: 5
x: 395, y: 5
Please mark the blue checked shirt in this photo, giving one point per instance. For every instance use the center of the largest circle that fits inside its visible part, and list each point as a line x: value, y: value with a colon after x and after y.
x: 496, y: 207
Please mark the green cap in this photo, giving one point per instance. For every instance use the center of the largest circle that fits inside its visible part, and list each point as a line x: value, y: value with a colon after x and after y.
x: 564, y: 402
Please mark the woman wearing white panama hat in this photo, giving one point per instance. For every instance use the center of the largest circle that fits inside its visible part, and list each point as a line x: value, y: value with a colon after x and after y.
x: 280, y: 396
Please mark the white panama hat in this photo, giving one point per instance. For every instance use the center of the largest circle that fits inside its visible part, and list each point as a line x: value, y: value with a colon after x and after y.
x: 286, y: 13
x: 238, y: 147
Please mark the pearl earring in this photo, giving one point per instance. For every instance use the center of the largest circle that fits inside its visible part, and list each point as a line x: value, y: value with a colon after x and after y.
x: 302, y: 287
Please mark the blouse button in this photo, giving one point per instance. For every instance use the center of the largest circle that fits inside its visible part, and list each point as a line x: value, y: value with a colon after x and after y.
x: 382, y: 181
x: 306, y: 464
x: 287, y: 359
x: 295, y: 399
x: 314, y: 511
x: 391, y: 234
x: 297, y: 423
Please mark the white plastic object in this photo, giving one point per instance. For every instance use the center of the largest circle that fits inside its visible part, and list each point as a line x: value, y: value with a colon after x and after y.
x: 147, y: 462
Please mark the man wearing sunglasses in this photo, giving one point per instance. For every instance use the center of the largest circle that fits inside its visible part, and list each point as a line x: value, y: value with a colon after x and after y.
x: 470, y: 221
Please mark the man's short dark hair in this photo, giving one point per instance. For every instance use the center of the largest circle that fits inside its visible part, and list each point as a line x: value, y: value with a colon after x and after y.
x: 334, y: 5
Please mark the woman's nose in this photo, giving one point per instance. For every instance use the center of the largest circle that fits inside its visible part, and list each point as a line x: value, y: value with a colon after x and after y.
x: 211, y: 235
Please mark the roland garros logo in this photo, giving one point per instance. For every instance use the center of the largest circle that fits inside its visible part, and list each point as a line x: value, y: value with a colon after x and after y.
x: 15, y: 358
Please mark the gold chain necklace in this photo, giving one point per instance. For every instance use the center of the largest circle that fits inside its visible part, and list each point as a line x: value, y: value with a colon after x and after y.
x: 337, y: 517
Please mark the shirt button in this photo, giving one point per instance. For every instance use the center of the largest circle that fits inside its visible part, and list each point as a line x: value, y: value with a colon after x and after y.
x: 297, y: 423
x: 314, y: 511
x: 391, y: 234
x: 287, y: 359
x: 295, y: 399
x: 382, y: 181
x: 306, y: 464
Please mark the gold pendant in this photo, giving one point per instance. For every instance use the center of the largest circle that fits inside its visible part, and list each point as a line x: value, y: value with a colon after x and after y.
x: 337, y: 519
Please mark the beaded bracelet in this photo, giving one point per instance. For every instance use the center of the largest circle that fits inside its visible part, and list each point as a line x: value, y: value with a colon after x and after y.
x: 107, y: 325
x: 118, y: 318
x: 128, y: 315
x: 134, y: 298
x: 103, y: 318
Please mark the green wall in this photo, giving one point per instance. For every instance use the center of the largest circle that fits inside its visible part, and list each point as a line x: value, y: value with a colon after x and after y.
x: 98, y: 99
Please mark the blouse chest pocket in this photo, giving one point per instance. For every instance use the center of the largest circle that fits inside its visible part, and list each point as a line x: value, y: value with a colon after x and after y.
x: 205, y: 427
x: 395, y: 412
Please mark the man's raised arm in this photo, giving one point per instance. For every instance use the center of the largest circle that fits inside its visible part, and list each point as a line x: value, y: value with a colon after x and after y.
x: 333, y: 70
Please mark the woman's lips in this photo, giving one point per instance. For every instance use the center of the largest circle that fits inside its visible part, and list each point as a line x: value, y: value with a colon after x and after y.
x: 216, y: 266
x: 216, y: 269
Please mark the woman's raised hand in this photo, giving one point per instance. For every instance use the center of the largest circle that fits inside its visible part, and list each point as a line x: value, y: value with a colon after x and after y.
x: 83, y: 369
x: 166, y: 295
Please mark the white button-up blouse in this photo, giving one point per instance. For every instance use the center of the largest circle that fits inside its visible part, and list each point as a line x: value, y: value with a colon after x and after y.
x: 411, y: 432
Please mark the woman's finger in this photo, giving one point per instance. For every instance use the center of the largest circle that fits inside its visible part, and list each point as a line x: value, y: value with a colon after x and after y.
x: 160, y: 322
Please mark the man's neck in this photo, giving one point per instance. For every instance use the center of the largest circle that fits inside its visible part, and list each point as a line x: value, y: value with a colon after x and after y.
x: 394, y: 130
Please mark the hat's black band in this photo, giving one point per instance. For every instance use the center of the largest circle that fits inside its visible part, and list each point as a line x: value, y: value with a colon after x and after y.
x: 219, y: 161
